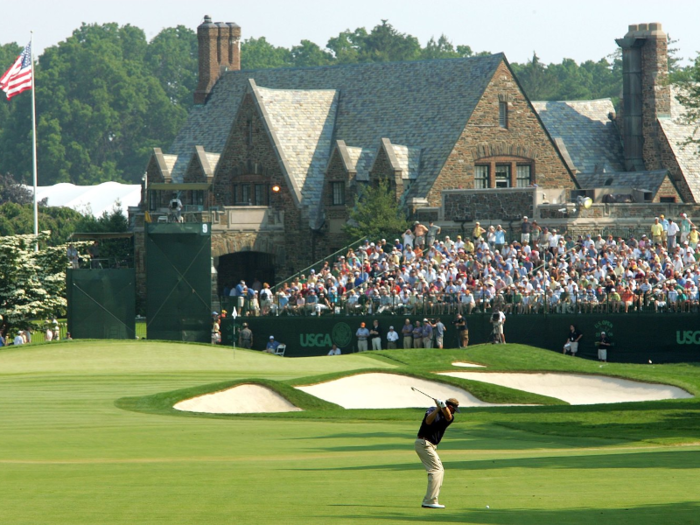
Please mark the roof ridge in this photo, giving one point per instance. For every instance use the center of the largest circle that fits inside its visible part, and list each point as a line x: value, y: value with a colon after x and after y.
x: 500, y: 54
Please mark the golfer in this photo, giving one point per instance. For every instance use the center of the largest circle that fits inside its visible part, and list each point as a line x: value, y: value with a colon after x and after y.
x: 432, y: 428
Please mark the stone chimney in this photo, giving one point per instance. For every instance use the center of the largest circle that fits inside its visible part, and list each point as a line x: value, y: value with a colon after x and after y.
x: 645, y: 94
x: 219, y: 51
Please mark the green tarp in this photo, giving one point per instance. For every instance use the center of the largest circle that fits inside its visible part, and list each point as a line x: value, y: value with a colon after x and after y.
x: 178, y: 281
x: 101, y: 303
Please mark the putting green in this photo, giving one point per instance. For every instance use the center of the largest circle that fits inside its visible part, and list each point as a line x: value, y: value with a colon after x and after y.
x: 70, y: 455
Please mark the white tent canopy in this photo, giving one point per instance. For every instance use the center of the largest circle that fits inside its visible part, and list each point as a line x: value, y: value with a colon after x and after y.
x: 94, y: 200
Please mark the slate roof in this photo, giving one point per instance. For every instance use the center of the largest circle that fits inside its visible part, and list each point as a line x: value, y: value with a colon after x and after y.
x: 590, y: 138
x: 677, y: 131
x: 303, y: 124
x: 213, y: 159
x: 170, y: 161
x: 640, y: 180
x: 362, y: 160
x: 206, y: 160
x: 423, y: 104
x: 408, y: 159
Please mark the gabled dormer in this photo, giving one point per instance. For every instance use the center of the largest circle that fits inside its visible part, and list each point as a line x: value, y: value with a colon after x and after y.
x: 159, y: 170
x: 200, y: 170
x: 397, y: 164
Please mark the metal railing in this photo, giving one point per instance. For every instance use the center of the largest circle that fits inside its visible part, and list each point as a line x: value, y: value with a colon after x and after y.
x: 432, y: 304
x: 318, y: 265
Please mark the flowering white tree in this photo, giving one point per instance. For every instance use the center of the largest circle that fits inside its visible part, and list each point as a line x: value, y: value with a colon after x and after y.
x: 32, y: 283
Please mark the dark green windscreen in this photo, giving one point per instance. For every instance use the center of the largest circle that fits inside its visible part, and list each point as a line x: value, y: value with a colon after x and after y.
x: 178, y: 281
x: 101, y: 303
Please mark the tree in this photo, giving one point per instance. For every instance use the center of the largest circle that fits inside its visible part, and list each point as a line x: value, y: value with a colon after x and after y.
x: 533, y: 78
x: 8, y: 54
x: 376, y: 214
x: 383, y: 44
x: 569, y: 80
x: 443, y: 48
x: 346, y: 46
x: 258, y: 53
x: 386, y: 44
x: 100, y: 108
x: 172, y: 57
x: 689, y: 96
x: 13, y: 191
x: 115, y: 250
x: 309, y: 54
x: 32, y: 283
x: 18, y: 219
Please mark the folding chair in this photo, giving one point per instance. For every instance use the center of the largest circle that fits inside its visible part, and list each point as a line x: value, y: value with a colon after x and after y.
x: 280, y: 350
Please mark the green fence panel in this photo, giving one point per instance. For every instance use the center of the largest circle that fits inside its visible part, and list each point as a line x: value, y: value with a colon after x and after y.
x: 637, y: 338
x: 101, y: 303
x: 178, y: 281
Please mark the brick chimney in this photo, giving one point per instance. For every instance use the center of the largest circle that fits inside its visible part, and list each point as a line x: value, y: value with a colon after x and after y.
x: 645, y: 94
x: 219, y: 51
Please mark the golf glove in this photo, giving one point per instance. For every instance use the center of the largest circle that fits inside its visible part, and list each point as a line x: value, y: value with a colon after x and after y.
x: 442, y: 404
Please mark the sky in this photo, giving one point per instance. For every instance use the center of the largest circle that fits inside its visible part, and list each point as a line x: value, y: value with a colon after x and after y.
x: 553, y: 29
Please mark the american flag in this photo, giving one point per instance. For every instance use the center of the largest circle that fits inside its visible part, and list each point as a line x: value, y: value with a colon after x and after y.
x: 19, y: 77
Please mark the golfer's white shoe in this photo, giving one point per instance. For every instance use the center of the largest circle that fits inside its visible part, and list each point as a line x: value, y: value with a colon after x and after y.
x: 432, y: 506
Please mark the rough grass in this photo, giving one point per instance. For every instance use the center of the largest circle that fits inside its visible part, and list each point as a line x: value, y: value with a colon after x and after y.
x: 69, y: 454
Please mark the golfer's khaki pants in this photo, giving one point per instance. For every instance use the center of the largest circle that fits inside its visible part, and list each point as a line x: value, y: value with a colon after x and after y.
x: 427, y: 452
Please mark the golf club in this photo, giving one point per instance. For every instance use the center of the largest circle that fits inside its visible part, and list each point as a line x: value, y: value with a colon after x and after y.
x: 421, y: 392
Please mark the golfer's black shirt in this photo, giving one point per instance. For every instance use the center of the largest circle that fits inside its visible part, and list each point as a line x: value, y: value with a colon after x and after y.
x: 436, y: 430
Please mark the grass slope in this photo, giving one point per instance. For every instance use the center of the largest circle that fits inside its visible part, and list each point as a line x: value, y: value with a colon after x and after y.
x: 70, y: 455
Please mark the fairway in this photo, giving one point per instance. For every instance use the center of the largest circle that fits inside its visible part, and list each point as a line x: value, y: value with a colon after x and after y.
x: 88, y: 435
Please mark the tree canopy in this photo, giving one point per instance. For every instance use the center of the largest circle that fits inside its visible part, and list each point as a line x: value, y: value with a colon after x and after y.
x: 101, y: 106
x: 689, y: 81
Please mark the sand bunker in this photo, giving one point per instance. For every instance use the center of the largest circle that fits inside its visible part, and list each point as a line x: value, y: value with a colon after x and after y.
x: 578, y: 389
x: 242, y: 399
x: 467, y: 365
x: 387, y: 391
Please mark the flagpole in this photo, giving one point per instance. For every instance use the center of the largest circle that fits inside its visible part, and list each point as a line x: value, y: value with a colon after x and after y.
x: 36, y: 207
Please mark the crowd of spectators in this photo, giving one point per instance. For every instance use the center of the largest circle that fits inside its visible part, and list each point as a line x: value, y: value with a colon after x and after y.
x: 539, y: 270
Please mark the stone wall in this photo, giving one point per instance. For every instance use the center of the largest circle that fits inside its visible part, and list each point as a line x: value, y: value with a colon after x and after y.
x: 383, y: 170
x: 333, y: 237
x: 619, y: 219
x: 224, y: 242
x: 524, y: 139
x: 491, y: 205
